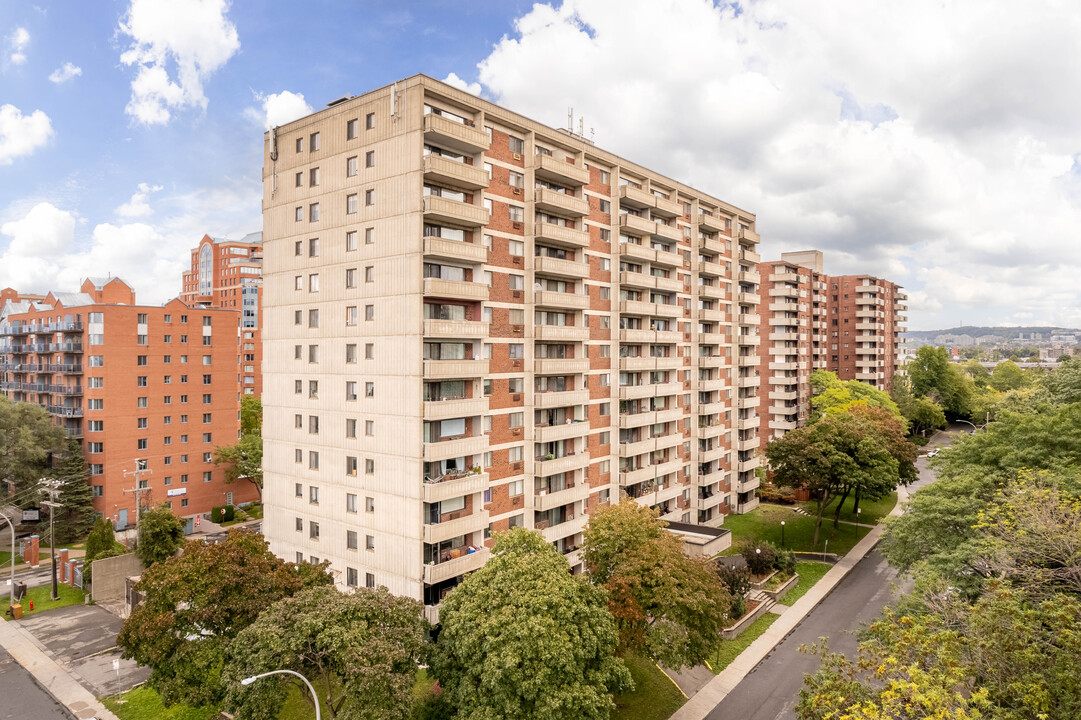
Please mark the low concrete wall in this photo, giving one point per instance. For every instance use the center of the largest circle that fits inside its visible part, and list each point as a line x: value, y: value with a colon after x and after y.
x: 109, y: 584
x: 733, y: 632
x: 785, y: 587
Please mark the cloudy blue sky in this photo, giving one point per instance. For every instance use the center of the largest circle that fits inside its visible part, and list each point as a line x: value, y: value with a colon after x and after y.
x: 933, y: 143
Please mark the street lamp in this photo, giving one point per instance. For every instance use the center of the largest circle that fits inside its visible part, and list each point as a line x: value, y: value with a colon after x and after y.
x: 782, y: 534
x: 253, y: 678
x: 858, y: 511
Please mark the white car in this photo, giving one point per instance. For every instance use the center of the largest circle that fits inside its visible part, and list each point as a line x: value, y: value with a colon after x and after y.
x: 933, y: 453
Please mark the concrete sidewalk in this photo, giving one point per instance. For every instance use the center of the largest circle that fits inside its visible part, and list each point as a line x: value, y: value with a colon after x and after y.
x: 703, y: 702
x: 49, y: 675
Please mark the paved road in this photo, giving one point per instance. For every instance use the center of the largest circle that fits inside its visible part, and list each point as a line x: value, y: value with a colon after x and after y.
x: 771, y: 690
x: 22, y: 698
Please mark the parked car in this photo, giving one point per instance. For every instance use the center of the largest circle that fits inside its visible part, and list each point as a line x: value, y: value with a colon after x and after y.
x: 933, y: 453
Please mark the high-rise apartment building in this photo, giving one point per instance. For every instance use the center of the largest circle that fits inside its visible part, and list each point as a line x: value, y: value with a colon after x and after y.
x: 151, y: 389
x: 229, y: 274
x: 848, y: 324
x: 473, y: 321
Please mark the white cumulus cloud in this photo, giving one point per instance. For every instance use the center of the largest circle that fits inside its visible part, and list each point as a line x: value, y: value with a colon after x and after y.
x: 192, y: 37
x: 65, y: 72
x: 137, y: 206
x: 22, y: 134
x: 931, y: 143
x: 37, y: 243
x: 17, y: 42
x: 278, y: 109
x: 461, y: 84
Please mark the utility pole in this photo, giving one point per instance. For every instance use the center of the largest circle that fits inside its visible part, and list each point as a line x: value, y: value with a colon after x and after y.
x: 140, y: 469
x: 52, y: 486
x: 11, y: 525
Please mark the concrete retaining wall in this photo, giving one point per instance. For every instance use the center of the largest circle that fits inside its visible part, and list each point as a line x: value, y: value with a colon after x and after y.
x: 109, y: 586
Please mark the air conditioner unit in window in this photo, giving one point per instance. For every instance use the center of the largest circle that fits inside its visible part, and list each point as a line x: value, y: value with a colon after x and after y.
x: 517, y: 260
x: 517, y: 156
x: 516, y: 225
x: 516, y: 397
x: 516, y: 466
x: 517, y: 191
x: 517, y: 293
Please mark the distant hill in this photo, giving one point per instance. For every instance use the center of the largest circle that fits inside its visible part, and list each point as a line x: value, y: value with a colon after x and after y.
x: 1004, y: 333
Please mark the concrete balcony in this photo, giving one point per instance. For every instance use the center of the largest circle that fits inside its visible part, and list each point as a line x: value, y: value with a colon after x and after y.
x: 567, y: 463
x: 784, y: 337
x: 667, y: 232
x: 711, y: 338
x: 548, y: 200
x: 559, y: 171
x: 637, y: 307
x: 784, y: 379
x: 867, y: 287
x: 556, y: 399
x: 749, y: 402
x: 560, y: 333
x: 746, y: 298
x: 749, y: 381
x: 455, y: 329
x: 712, y: 315
x: 666, y: 337
x: 748, y: 423
x: 560, y: 235
x: 711, y: 292
x: 714, y: 361
x: 455, y: 289
x: 748, y: 338
x: 443, y: 249
x: 457, y: 447
x: 561, y: 300
x: 747, y: 235
x: 650, y: 418
x: 713, y: 245
x: 455, y: 135
x: 712, y: 408
x: 636, y: 198
x: 454, y: 369
x: 782, y: 366
x: 639, y: 364
x: 560, y: 366
x: 714, y: 384
x: 867, y: 377
x: 645, y: 390
x: 444, y: 171
x: 783, y: 395
x: 566, y: 431
x: 709, y: 223
x: 561, y: 268
x: 669, y: 259
x: 468, y: 562
x: 868, y: 351
x: 750, y: 276
x: 710, y: 268
x: 671, y: 362
x: 454, y: 408
x: 454, y: 487
x: 431, y: 614
x: 440, y: 210
x: 784, y: 425
x: 868, y: 326
x: 635, y: 225
x: 571, y: 526
x: 447, y: 529
x: 634, y: 251
x: 666, y: 207
x: 749, y: 444
x: 713, y: 430
x: 749, y: 484
x: 750, y: 256
x: 544, y: 501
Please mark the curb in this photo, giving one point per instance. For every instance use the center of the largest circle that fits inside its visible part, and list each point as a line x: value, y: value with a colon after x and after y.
x: 706, y: 699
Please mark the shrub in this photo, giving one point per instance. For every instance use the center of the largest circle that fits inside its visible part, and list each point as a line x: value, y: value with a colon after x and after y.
x: 738, y: 582
x: 784, y: 560
x: 759, y: 556
x: 222, y: 513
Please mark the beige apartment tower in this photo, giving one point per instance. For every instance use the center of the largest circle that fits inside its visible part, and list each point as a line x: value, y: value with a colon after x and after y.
x: 473, y: 321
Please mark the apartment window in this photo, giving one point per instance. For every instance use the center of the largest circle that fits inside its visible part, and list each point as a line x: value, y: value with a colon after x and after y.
x: 313, y: 460
x: 516, y: 213
x: 516, y: 247
x: 351, y: 277
x: 313, y: 389
x: 142, y: 444
x: 313, y: 495
x: 313, y: 247
x: 515, y: 488
x: 313, y: 318
x: 313, y: 282
x: 313, y: 530
x: 208, y: 476
x: 351, y: 204
x: 140, y: 360
x: 141, y: 423
x: 351, y: 241
x: 206, y: 397
x: 369, y: 427
x: 313, y: 424
x: 369, y: 159
x: 516, y: 179
x: 369, y: 504
x: 488, y: 205
x: 369, y: 274
x: 298, y: 454
x: 96, y: 361
x: 313, y: 212
x: 369, y: 466
x: 605, y: 206
x: 206, y: 358
x: 300, y: 144
x: 605, y: 409
x: 350, y: 428
x: 516, y: 419
x: 369, y: 236
x: 369, y: 313
x: 369, y: 389
x: 313, y: 353
x: 369, y: 197
x: 140, y: 381
x: 96, y: 426
x: 515, y: 350
x: 351, y: 315
x: 514, y: 454
x: 369, y: 121
x: 350, y: 503
x: 313, y: 177
x: 298, y: 490
x: 141, y: 402
x: 352, y: 128
x: 208, y: 457
x: 516, y: 282
x: 516, y: 144
x: 369, y: 580
x: 297, y: 246
x: 97, y: 469
x: 207, y: 437
x: 369, y: 543
x: 350, y: 390
x: 313, y: 142
x: 351, y: 540
x: 351, y: 577
x: 369, y: 351
x: 299, y: 214
x: 351, y: 353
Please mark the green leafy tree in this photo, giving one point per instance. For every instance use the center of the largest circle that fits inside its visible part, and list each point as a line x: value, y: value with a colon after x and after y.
x: 933, y: 376
x: 1008, y: 376
x: 360, y: 650
x: 1063, y: 384
x: 523, y: 638
x: 666, y: 605
x: 27, y: 439
x: 244, y: 459
x: 195, y: 606
x: 161, y: 534
x: 75, y: 516
x: 100, y: 544
x: 834, y: 395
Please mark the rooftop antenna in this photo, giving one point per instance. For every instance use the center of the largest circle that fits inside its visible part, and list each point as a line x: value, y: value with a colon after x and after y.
x: 394, y: 101
x: 570, y: 119
x: 581, y: 125
x: 591, y: 133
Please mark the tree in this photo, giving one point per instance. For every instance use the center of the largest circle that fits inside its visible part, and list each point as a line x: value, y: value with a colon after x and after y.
x: 834, y: 395
x: 75, y: 516
x: 666, y: 605
x: 100, y: 544
x: 921, y: 414
x: 1063, y: 384
x: 933, y: 376
x: 360, y: 650
x: 523, y: 638
x: 244, y: 459
x: 27, y: 438
x: 161, y: 534
x: 195, y: 606
x: 1007, y: 376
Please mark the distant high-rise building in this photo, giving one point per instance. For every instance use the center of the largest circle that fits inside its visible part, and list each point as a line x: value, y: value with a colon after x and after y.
x: 144, y: 388
x: 474, y: 322
x: 229, y: 274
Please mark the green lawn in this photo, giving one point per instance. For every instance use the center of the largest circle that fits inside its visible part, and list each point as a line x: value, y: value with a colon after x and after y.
x: 142, y: 703
x: 40, y: 596
x: 655, y: 696
x: 730, y: 649
x: 5, y: 560
x: 764, y: 523
x: 871, y: 511
x: 809, y: 574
